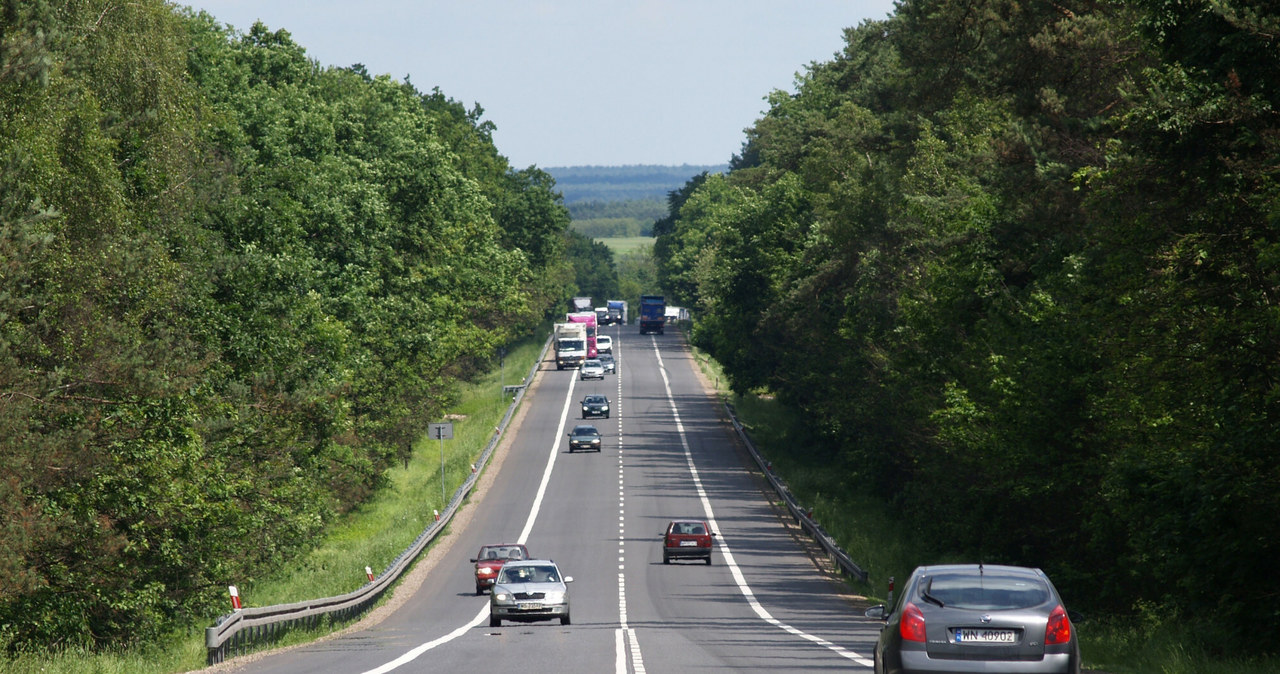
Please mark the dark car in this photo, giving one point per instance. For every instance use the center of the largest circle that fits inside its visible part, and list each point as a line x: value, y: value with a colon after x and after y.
x: 687, y: 539
x: 529, y: 591
x: 595, y: 405
x: 610, y: 365
x: 584, y: 437
x: 490, y: 560
x: 976, y: 618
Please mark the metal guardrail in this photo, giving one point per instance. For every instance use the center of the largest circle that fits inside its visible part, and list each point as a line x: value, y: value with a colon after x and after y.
x: 837, y: 555
x: 244, y: 630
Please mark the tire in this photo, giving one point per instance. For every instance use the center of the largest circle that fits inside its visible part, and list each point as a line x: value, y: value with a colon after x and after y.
x: 479, y: 591
x: 708, y: 560
x: 494, y: 621
x: 564, y: 619
x: 666, y: 559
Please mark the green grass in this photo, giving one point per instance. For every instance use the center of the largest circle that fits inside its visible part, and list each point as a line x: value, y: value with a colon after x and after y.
x: 627, y: 244
x: 372, y: 535
x: 867, y: 529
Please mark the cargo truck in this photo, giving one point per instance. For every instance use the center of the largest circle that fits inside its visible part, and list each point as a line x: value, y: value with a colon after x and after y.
x: 652, y: 314
x: 581, y: 304
x: 617, y: 312
x: 588, y: 319
x: 571, y: 345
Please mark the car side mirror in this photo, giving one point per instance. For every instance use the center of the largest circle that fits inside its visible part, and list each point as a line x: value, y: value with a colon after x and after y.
x: 877, y: 612
x: 568, y: 579
x: 474, y: 561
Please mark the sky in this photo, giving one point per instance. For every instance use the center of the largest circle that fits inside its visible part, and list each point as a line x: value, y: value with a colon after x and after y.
x: 580, y: 82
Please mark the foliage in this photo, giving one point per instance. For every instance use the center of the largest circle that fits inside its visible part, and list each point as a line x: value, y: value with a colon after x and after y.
x: 234, y: 286
x: 1016, y: 260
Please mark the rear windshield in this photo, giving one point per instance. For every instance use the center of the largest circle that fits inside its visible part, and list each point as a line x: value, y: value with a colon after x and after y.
x: 986, y: 592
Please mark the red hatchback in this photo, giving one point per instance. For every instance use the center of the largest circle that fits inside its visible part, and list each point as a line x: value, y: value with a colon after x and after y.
x: 687, y: 539
x: 490, y: 560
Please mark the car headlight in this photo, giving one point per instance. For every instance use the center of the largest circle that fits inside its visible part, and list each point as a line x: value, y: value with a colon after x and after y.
x: 501, y: 597
x: 553, y: 598
x: 604, y: 407
x: 485, y: 571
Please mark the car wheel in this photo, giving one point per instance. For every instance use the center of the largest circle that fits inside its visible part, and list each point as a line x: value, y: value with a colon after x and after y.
x: 494, y: 621
x: 665, y: 558
x: 564, y: 619
x: 708, y: 560
x: 479, y: 590
x: 606, y: 416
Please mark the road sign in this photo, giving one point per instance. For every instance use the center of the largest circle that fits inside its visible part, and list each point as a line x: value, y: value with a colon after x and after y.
x: 442, y: 431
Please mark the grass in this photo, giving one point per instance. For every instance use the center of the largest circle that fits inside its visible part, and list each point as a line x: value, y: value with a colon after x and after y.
x: 867, y: 529
x: 627, y: 244
x: 372, y: 535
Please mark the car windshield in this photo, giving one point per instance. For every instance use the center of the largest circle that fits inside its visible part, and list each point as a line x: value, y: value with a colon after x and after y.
x: 595, y: 399
x: 986, y: 592
x: 585, y: 430
x: 591, y: 363
x: 529, y: 574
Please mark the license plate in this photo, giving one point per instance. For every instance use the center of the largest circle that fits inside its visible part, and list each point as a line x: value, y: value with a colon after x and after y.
x: 979, y: 636
x: 528, y: 606
x: 688, y: 544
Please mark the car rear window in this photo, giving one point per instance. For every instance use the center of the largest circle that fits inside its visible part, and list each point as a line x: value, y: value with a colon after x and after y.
x: 987, y: 592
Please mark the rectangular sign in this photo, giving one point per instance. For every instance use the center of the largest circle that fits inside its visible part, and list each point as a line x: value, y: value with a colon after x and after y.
x: 442, y: 431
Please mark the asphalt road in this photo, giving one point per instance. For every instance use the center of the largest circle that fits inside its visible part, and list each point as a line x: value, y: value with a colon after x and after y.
x: 760, y: 607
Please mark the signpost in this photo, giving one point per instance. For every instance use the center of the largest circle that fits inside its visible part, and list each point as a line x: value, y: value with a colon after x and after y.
x: 442, y: 431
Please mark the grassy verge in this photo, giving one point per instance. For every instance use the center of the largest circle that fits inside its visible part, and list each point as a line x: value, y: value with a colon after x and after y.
x: 373, y: 535
x: 867, y: 529
x: 626, y: 244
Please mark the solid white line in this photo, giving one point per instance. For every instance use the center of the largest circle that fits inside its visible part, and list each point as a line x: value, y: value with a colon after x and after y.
x: 524, y: 537
x: 725, y: 551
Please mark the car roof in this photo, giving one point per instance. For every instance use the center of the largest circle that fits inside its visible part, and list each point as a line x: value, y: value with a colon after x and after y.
x: 584, y: 428
x: 998, y: 569
x: 688, y: 519
x: 594, y: 396
x: 529, y: 562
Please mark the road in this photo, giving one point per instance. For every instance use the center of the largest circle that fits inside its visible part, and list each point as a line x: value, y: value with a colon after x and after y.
x: 760, y: 607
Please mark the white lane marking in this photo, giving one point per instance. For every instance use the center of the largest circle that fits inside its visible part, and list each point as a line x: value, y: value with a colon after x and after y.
x: 625, y: 639
x: 725, y: 551
x: 524, y: 537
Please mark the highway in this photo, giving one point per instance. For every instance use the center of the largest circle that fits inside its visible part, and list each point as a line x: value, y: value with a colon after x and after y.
x: 760, y: 607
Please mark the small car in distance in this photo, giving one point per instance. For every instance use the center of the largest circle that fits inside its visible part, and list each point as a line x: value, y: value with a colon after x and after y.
x: 687, y: 539
x: 490, y: 560
x: 610, y: 365
x: 976, y: 618
x: 604, y: 344
x: 591, y: 368
x: 595, y: 405
x: 528, y: 591
x: 584, y: 437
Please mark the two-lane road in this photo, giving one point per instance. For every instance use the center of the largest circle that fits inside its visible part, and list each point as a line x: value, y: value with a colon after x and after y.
x: 760, y: 606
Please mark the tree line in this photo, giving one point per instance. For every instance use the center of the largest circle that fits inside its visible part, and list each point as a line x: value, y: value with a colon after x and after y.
x: 234, y: 287
x: 1017, y: 263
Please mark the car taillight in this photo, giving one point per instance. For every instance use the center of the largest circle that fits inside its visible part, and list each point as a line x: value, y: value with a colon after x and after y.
x: 1058, y: 631
x: 912, y: 625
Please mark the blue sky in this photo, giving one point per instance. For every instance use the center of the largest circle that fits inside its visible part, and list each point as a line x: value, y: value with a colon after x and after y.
x: 580, y: 82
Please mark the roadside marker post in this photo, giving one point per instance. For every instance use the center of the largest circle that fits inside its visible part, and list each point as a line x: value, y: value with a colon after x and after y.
x: 235, y: 597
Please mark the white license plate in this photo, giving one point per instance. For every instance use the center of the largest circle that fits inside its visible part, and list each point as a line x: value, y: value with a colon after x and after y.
x: 529, y: 606
x: 688, y: 544
x: 979, y: 636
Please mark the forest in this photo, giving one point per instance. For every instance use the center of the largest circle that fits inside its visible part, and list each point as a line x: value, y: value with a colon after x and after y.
x: 1018, y: 265
x: 234, y: 288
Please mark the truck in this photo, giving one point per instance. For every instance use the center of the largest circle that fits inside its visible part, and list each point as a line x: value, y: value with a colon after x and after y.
x: 602, y: 316
x: 571, y: 344
x: 617, y: 312
x: 588, y: 319
x: 652, y: 314
x: 581, y: 304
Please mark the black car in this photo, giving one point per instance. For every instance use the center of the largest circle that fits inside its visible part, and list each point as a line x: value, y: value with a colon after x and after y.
x: 584, y: 437
x: 595, y: 405
x: 976, y: 618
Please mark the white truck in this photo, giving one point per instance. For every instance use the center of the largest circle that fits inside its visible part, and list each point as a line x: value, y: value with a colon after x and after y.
x: 571, y: 344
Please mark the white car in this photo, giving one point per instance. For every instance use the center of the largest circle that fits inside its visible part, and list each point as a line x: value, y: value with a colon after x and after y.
x: 591, y: 368
x: 604, y: 344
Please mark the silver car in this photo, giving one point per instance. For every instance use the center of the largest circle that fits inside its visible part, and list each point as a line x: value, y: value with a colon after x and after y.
x: 529, y: 591
x: 976, y: 618
x: 591, y: 369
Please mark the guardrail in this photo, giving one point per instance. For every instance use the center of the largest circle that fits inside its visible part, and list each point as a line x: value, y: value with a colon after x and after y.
x: 246, y: 629
x: 837, y: 555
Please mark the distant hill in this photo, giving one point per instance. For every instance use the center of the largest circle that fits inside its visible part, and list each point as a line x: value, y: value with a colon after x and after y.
x: 624, y: 183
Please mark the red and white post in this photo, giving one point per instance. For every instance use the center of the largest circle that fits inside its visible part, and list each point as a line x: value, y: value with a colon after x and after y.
x: 369, y: 572
x: 235, y: 597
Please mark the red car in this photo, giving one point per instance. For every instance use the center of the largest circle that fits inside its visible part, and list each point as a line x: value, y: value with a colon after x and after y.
x: 490, y: 560
x: 687, y: 539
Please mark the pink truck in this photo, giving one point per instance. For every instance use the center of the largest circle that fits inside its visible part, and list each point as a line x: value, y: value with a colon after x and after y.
x: 588, y: 317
